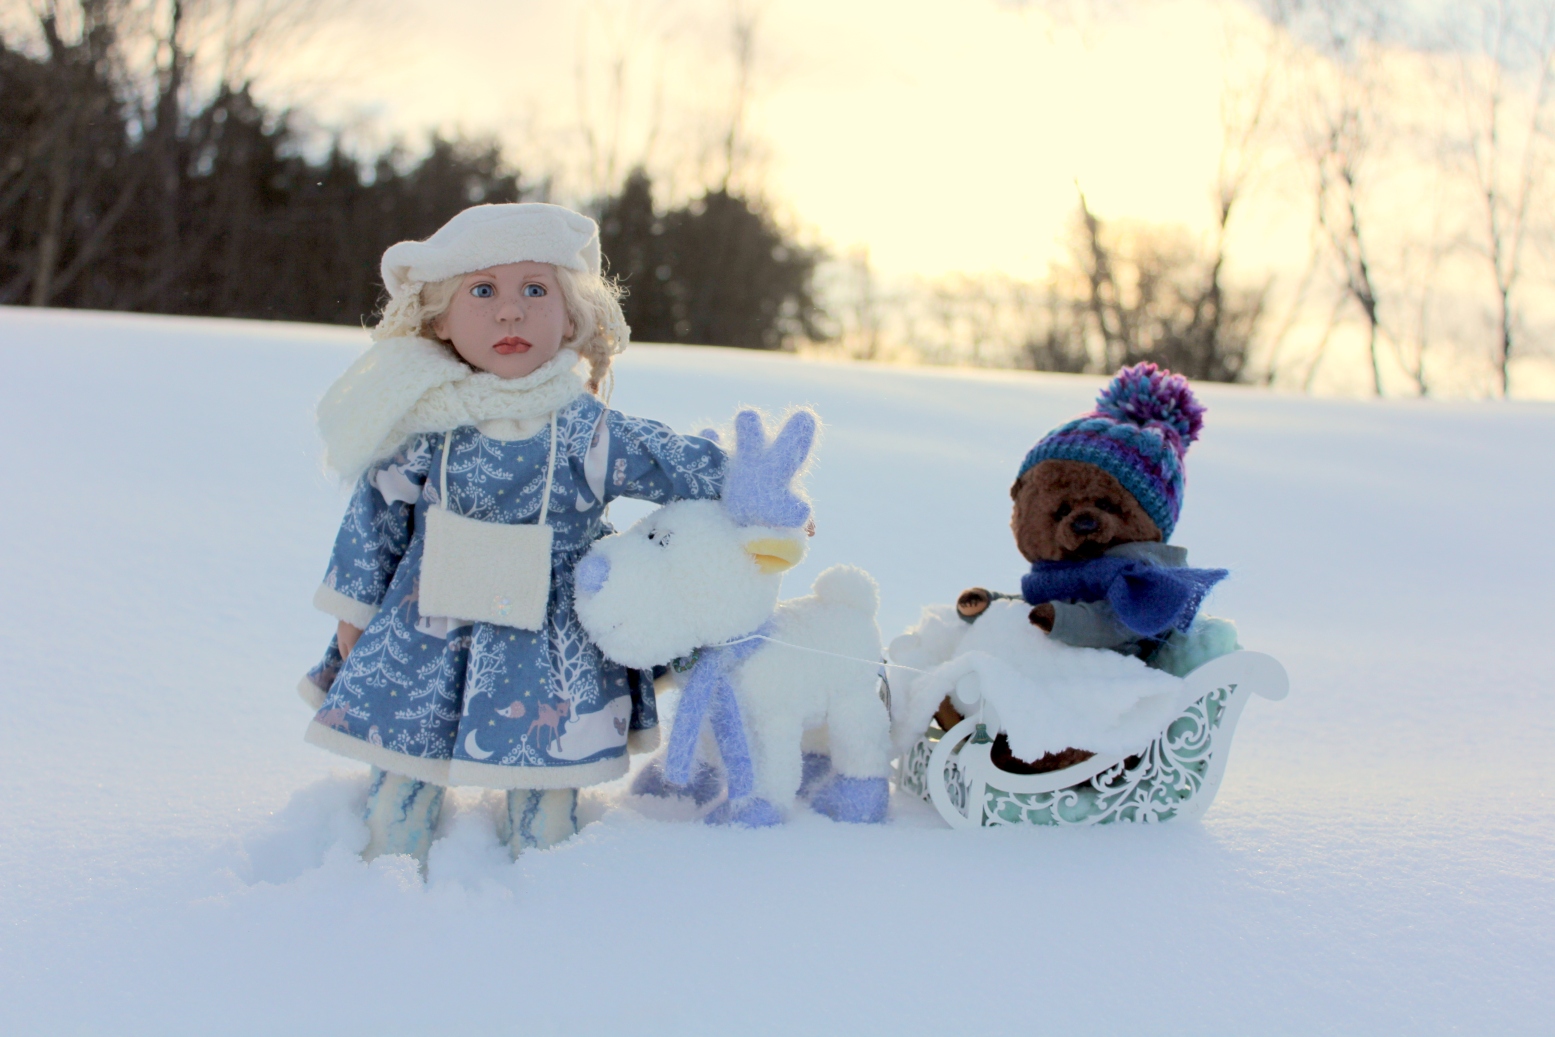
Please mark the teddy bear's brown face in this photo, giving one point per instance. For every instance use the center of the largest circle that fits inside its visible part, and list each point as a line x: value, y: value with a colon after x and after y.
x: 1072, y: 511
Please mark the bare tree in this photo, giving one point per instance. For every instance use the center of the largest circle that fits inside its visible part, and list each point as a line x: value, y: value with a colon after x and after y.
x: 108, y: 65
x: 1151, y: 295
x: 1343, y: 110
x: 1505, y: 82
x: 619, y: 58
x: 1339, y: 154
x: 744, y: 25
x: 863, y: 309
x: 125, y: 185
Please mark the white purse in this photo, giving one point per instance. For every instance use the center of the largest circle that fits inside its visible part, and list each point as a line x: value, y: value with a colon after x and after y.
x: 487, y: 572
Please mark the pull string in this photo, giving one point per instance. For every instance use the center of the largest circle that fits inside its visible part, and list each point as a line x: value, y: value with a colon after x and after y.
x: 817, y: 651
x: 550, y: 471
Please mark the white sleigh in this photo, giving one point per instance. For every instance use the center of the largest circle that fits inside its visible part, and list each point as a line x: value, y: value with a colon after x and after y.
x: 1176, y: 776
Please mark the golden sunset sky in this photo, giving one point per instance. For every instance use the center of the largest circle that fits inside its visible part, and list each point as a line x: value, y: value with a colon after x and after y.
x: 943, y: 135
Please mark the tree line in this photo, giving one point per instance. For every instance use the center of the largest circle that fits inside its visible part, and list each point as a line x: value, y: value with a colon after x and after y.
x: 124, y: 187
x: 1127, y: 291
x: 1412, y: 147
x: 140, y: 170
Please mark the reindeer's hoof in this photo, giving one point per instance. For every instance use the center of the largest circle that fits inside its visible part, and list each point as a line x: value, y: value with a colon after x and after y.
x: 754, y: 812
x: 704, y: 786
x: 856, y: 800
x: 651, y: 782
x: 817, y: 766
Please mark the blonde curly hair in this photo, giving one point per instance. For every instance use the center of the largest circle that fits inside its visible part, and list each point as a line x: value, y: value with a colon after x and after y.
x: 593, y: 305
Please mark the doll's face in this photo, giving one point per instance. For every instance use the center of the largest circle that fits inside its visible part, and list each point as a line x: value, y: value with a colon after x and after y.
x: 507, y: 319
x: 1069, y: 511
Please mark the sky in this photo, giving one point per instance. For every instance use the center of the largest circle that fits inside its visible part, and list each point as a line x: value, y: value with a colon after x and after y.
x: 941, y: 136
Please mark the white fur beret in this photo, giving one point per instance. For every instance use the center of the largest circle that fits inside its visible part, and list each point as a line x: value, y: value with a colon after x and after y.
x: 490, y: 235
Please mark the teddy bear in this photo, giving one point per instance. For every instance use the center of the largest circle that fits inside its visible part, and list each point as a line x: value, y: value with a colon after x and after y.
x: 1095, y: 502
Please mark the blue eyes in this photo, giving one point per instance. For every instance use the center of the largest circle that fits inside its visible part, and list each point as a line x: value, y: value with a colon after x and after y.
x: 486, y: 291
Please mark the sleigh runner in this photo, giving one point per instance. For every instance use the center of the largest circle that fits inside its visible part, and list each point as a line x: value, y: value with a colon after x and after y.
x: 1175, y: 776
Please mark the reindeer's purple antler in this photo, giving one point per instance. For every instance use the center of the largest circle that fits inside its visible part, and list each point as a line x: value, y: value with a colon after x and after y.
x: 757, y: 489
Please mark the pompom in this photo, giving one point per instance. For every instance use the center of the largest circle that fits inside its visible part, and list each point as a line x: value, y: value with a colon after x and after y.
x: 1147, y: 396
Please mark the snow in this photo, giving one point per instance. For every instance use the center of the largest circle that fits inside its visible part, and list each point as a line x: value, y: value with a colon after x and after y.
x: 176, y: 861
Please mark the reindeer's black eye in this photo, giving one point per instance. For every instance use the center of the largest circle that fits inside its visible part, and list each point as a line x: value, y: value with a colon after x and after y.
x: 1108, y: 505
x: 1063, y: 509
x: 652, y: 533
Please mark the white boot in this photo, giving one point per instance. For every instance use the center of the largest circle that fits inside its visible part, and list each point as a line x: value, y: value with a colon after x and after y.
x: 538, y: 818
x: 401, y: 814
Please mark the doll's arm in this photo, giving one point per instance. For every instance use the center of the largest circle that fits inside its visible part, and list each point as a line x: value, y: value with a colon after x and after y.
x: 637, y: 457
x: 373, y: 538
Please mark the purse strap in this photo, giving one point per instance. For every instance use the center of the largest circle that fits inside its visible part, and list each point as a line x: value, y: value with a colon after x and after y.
x: 550, y: 472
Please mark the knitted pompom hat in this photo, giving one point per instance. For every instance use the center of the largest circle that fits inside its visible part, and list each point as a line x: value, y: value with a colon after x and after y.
x: 1142, y: 426
x: 490, y: 235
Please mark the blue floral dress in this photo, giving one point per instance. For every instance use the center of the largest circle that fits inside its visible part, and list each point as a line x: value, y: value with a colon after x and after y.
x: 477, y: 703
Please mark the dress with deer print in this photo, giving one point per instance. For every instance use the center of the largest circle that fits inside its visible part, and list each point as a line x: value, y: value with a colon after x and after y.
x: 477, y: 703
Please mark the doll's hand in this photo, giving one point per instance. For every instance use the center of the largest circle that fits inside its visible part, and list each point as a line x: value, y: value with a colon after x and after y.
x: 1043, y: 616
x: 345, y: 637
x: 809, y: 528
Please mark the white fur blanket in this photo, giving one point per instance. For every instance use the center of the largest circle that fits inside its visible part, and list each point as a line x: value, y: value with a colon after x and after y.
x: 1045, y: 695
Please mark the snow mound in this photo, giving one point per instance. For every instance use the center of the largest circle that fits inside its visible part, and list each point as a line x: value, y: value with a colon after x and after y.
x: 176, y: 860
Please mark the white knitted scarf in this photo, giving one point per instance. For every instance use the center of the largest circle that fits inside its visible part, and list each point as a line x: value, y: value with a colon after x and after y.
x: 403, y: 387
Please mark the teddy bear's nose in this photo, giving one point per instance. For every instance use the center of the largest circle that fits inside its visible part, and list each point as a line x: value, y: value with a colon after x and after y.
x: 1084, y: 525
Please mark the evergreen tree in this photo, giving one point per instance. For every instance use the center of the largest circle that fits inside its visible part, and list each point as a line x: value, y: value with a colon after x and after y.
x: 124, y: 195
x: 716, y: 271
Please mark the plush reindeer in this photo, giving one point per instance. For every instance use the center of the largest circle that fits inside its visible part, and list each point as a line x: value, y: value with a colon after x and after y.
x: 700, y: 580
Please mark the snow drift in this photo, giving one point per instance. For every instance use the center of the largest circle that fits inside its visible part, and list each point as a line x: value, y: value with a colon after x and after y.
x: 177, y: 861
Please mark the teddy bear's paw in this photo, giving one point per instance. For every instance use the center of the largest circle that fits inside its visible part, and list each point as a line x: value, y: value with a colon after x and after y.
x: 752, y: 812
x: 817, y: 767
x: 855, y: 800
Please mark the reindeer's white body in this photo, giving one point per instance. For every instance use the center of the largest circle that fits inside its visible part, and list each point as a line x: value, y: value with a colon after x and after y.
x: 787, y: 688
x: 704, y: 574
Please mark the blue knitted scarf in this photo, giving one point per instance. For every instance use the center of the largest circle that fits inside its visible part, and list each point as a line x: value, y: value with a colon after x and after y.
x: 709, y: 696
x: 1149, y: 599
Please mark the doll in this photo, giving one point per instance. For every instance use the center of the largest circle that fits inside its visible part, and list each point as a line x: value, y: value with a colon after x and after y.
x: 1094, y: 503
x: 482, y: 463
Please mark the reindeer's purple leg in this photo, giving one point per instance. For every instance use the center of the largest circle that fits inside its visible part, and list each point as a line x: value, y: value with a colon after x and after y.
x: 858, y: 732
x: 859, y: 800
x: 752, y: 812
x: 817, y: 768
x: 694, y: 701
x: 729, y: 733
x: 650, y: 782
x: 706, y: 782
